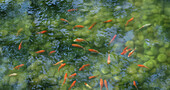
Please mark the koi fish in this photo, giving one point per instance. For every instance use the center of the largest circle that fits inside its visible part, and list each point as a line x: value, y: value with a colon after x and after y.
x: 92, y: 26
x: 88, y: 85
x: 62, y: 65
x: 65, y: 77
x: 19, y: 47
x: 13, y: 74
x: 72, y: 10
x: 72, y: 75
x: 73, y: 84
x: 101, y: 84
x: 40, y: 51
x: 129, y: 21
x: 112, y: 39
x: 42, y: 32
x: 84, y: 67
x: 51, y: 52
x: 105, y: 83
x: 17, y: 67
x: 19, y: 31
x: 146, y: 25
x: 62, y: 19
x: 93, y: 76
x: 125, y: 51
x: 76, y: 45
x: 79, y: 40
x: 142, y: 66
x: 58, y: 62
x: 78, y: 26
x: 93, y: 50
x: 131, y: 53
x: 108, y: 59
x: 107, y: 21
x: 134, y: 83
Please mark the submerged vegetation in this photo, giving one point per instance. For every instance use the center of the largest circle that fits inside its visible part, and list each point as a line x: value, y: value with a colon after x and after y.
x: 104, y: 27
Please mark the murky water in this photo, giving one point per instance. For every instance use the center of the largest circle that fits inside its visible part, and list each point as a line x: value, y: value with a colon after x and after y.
x: 148, y: 33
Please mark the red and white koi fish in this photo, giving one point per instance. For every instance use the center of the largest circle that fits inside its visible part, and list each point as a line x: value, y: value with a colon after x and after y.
x: 142, y: 66
x: 88, y: 85
x: 112, y: 39
x: 62, y: 65
x: 131, y: 52
x: 129, y: 21
x: 72, y: 10
x: 78, y: 26
x: 17, y: 67
x: 19, y: 47
x: 73, y: 84
x: 125, y: 51
x: 79, y: 40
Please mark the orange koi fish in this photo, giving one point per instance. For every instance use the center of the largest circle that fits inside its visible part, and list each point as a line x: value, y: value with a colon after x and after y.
x: 62, y: 65
x: 93, y: 50
x: 93, y: 76
x: 88, y: 85
x: 142, y: 66
x: 72, y: 75
x: 73, y: 84
x: 105, y: 83
x: 58, y: 62
x: 40, y: 51
x: 51, y: 52
x: 129, y: 21
x: 78, y: 26
x: 101, y: 84
x: 65, y: 77
x: 92, y: 26
x: 72, y: 10
x: 107, y: 21
x: 42, y: 32
x: 76, y: 45
x: 62, y: 19
x: 112, y: 39
x: 125, y: 51
x: 79, y: 40
x: 19, y: 47
x: 17, y: 67
x: 19, y: 31
x: 134, y: 83
x: 108, y: 59
x: 131, y: 53
x: 84, y: 67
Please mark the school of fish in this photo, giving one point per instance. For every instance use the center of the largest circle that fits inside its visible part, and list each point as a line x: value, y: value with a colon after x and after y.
x: 125, y: 50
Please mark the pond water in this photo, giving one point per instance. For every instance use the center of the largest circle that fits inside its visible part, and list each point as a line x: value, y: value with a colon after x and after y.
x: 28, y: 26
